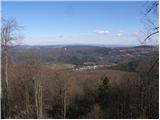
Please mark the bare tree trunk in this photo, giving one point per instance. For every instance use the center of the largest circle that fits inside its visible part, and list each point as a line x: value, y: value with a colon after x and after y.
x: 35, y: 93
x: 38, y: 99
x: 64, y: 101
x: 27, y: 98
x: 6, y: 85
x: 8, y: 36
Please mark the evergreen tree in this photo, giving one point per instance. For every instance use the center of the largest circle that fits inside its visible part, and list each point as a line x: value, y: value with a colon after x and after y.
x: 103, y: 91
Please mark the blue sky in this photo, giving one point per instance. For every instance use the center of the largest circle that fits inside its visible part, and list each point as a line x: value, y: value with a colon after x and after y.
x: 49, y: 23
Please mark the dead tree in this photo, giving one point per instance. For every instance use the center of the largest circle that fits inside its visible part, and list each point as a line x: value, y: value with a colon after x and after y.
x: 38, y: 97
x: 153, y: 26
x: 147, y: 79
x: 63, y: 88
x: 65, y: 99
x: 65, y: 95
x: 34, y: 61
x: 150, y: 20
x: 9, y: 36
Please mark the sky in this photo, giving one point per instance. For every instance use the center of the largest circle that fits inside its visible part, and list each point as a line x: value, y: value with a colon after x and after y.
x: 57, y: 23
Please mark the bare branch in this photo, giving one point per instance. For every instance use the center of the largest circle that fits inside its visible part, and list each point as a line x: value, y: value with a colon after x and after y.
x: 150, y: 35
x: 153, y: 7
x: 9, y: 31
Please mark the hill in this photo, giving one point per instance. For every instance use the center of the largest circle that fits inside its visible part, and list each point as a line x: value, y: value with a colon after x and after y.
x: 81, y: 54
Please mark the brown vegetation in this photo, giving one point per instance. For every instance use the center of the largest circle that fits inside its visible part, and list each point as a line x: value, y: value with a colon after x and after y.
x: 72, y: 94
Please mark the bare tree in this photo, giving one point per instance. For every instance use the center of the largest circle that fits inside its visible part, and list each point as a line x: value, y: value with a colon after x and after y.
x: 150, y: 21
x: 63, y: 88
x: 38, y: 97
x: 65, y: 98
x: 37, y: 76
x: 9, y: 37
x: 147, y: 78
x: 152, y: 24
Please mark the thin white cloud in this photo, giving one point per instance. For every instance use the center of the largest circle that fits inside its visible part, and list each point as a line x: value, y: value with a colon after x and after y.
x: 119, y: 34
x: 135, y: 33
x: 102, y: 32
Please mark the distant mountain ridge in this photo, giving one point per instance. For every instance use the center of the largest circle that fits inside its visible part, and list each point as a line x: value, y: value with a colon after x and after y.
x: 80, y: 54
x: 91, y: 45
